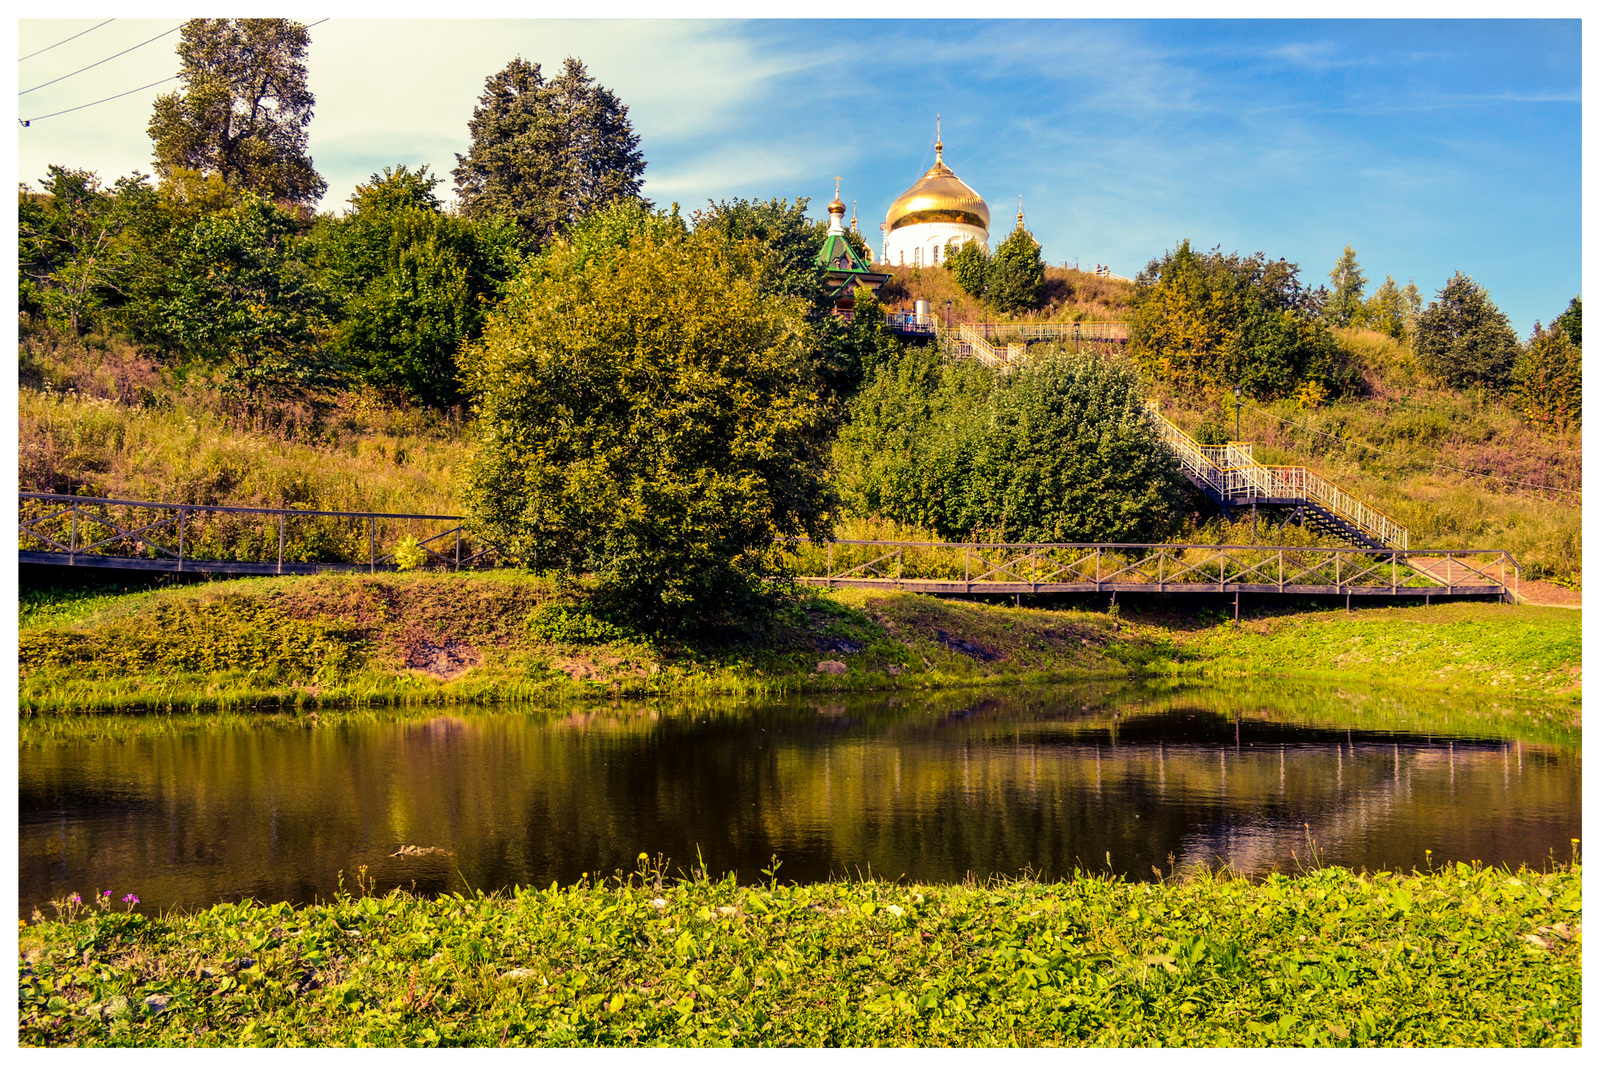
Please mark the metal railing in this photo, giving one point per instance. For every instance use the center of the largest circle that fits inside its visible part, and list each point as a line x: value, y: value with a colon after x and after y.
x: 1044, y: 331
x: 1232, y: 471
x: 87, y: 527
x: 948, y: 566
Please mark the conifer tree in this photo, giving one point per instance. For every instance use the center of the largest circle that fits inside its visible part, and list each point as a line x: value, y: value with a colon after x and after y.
x: 547, y: 153
x: 1464, y: 339
x: 1570, y: 321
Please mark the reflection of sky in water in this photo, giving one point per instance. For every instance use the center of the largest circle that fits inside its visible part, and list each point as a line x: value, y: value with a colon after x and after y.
x: 903, y: 790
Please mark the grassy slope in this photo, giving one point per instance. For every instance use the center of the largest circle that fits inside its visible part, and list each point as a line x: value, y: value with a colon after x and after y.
x: 1457, y: 957
x: 1404, y: 436
x: 1069, y: 296
x: 401, y: 639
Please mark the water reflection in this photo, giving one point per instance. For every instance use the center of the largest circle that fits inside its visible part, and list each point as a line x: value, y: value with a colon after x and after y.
x: 925, y: 790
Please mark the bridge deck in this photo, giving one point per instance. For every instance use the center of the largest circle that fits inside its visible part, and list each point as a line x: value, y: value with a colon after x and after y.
x: 1012, y: 588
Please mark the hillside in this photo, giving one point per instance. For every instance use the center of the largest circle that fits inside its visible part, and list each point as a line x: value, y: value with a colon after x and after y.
x: 1069, y: 296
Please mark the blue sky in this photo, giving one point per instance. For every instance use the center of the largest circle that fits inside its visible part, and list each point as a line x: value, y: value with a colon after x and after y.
x: 1429, y: 146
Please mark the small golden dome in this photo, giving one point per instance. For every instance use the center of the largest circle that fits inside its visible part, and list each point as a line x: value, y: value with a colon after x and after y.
x: 837, y: 206
x: 938, y: 196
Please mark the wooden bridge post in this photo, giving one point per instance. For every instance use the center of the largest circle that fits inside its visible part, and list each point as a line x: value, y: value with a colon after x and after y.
x: 1394, y: 573
x: 458, y: 547
x: 280, y: 542
x: 372, y: 545
x: 967, y: 576
x: 72, y: 552
x: 830, y: 564
x: 183, y: 523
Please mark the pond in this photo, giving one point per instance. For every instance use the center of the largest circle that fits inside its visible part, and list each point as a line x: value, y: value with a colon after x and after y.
x: 1135, y: 780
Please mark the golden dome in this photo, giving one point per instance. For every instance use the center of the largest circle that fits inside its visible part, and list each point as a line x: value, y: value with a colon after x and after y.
x: 938, y: 196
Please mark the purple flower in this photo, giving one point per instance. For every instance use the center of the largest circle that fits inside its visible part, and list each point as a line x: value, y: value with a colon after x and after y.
x: 130, y: 898
x: 107, y: 892
x: 74, y: 898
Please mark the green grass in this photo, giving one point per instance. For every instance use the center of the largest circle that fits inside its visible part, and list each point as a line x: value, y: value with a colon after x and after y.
x: 1461, y: 956
x: 421, y: 638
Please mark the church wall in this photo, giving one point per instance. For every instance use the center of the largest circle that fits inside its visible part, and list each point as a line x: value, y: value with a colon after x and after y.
x: 901, y: 247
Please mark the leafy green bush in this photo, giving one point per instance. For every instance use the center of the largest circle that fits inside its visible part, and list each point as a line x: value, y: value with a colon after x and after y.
x: 563, y: 623
x: 1061, y: 452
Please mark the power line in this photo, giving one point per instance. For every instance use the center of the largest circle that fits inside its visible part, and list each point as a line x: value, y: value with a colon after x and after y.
x: 107, y: 59
x: 74, y: 37
x: 80, y: 107
x: 1436, y: 462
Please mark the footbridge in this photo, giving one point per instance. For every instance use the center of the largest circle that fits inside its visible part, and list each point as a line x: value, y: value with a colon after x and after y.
x: 178, y: 538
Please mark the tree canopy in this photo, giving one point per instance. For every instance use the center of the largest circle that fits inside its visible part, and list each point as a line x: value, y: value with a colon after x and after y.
x: 412, y: 282
x: 1063, y: 450
x: 1570, y: 321
x: 547, y: 153
x: 1464, y: 339
x: 1548, y: 378
x: 648, y: 415
x: 1211, y: 321
x: 1016, y: 276
x: 1345, y: 306
x: 243, y: 109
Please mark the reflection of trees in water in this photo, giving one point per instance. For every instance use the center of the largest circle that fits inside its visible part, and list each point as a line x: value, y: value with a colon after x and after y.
x: 930, y: 788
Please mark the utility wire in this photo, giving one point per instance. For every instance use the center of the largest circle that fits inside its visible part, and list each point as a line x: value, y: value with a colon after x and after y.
x: 74, y: 37
x: 1436, y: 462
x: 107, y: 59
x: 80, y: 107
x: 152, y: 85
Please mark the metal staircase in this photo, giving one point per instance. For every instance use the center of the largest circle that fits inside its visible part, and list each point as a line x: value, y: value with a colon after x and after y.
x: 1230, y: 475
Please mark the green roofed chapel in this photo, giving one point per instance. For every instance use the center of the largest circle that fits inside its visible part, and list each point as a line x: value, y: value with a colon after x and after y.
x: 845, y: 268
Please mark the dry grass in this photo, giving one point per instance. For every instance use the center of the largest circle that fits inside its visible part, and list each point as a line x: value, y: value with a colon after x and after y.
x: 1456, y: 468
x: 1069, y: 296
x: 104, y: 421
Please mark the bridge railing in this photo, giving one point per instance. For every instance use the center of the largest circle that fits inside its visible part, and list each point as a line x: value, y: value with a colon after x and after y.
x: 184, y: 536
x: 980, y: 567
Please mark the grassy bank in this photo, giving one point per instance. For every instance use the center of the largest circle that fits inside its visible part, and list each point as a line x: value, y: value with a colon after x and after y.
x: 1456, y: 957
x: 403, y: 639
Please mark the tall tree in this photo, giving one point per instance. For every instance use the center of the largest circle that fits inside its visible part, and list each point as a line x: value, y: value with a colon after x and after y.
x: 1464, y: 339
x: 243, y: 108
x: 1345, y: 306
x: 547, y: 153
x: 1570, y: 321
x: 412, y: 282
x: 1016, y: 277
x: 1386, y: 311
x: 1549, y: 379
x: 971, y: 265
x: 1411, y: 310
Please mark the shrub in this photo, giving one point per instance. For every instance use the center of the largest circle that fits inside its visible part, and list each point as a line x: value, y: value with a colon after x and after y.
x: 559, y: 623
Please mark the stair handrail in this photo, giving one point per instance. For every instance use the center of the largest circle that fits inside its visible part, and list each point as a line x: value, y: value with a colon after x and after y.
x: 1233, y: 471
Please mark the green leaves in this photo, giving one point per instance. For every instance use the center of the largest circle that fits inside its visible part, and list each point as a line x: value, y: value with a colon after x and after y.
x: 649, y: 415
x: 1061, y: 451
x: 1464, y: 339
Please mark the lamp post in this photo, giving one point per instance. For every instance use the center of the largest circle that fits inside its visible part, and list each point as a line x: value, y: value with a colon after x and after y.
x: 947, y: 316
x: 1238, y: 392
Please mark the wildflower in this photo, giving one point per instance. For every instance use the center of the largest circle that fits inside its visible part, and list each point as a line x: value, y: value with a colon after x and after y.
x: 894, y: 910
x: 74, y: 898
x: 643, y: 856
x: 131, y: 900
x: 107, y: 892
x: 659, y: 904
